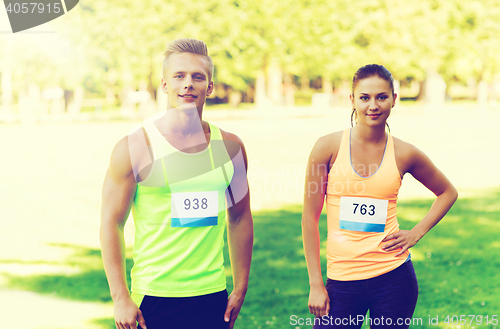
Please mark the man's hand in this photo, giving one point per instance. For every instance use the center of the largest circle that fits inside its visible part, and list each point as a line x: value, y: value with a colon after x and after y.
x: 233, y: 308
x: 319, y: 302
x: 127, y: 314
x: 402, y: 239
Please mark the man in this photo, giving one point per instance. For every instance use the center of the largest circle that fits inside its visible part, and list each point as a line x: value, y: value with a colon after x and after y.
x: 179, y: 175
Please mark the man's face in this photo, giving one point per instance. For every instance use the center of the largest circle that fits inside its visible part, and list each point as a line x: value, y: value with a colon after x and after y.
x: 186, y: 81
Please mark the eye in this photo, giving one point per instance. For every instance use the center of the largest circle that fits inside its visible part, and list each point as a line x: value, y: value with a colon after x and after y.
x: 199, y: 78
x: 384, y: 97
x: 364, y: 98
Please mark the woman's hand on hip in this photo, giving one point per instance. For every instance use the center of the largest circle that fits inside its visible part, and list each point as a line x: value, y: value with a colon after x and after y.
x: 402, y: 239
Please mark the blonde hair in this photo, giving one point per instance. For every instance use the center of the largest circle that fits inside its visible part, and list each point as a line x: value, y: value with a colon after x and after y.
x: 187, y: 45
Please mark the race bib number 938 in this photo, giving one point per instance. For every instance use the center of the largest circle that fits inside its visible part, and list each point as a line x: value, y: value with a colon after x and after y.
x: 193, y: 209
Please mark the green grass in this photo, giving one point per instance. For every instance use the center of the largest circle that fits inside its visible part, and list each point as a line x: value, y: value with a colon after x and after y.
x: 456, y: 266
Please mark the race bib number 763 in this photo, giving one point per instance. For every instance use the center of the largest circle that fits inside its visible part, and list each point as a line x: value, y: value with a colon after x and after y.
x: 363, y: 214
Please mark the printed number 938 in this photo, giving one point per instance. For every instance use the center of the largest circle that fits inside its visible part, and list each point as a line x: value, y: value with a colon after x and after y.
x: 364, y: 209
x: 195, y: 204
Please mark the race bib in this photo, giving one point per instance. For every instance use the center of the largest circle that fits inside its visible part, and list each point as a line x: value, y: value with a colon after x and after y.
x: 363, y: 214
x: 194, y: 209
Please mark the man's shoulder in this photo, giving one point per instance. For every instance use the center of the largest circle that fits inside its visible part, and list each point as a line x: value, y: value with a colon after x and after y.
x: 131, y: 151
x: 121, y: 151
x: 234, y: 145
x: 138, y: 136
x: 120, y: 163
x: 227, y: 136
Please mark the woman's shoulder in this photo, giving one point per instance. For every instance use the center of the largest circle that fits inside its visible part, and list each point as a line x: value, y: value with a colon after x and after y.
x: 406, y: 154
x: 327, y: 147
x: 402, y: 148
x: 330, y: 140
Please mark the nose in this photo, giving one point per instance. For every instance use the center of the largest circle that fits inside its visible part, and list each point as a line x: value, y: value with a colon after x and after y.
x: 188, y: 82
x: 373, y: 104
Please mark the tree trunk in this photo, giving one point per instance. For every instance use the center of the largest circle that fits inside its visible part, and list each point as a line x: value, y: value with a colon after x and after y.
x: 482, y: 93
x: 289, y: 90
x: 151, y: 88
x: 275, y: 84
x: 7, y: 91
x: 235, y: 97
x: 421, y: 90
x: 304, y: 81
x: 327, y: 84
x: 260, y: 89
x: 435, y: 88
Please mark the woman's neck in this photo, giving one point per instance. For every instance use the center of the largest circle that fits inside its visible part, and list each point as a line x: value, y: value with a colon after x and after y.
x: 367, y: 134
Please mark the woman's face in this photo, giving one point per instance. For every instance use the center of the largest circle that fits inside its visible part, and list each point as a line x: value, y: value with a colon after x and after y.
x: 373, y: 101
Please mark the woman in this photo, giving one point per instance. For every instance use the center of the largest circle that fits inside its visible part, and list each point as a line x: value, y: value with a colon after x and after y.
x: 359, y: 170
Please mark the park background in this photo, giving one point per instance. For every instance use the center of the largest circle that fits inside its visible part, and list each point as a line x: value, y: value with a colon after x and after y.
x: 71, y: 88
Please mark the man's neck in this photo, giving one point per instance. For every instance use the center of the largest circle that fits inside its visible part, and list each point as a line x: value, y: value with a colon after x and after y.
x: 184, y: 129
x: 183, y: 122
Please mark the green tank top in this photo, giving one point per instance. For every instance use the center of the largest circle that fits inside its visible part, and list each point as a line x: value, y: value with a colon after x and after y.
x: 179, y: 212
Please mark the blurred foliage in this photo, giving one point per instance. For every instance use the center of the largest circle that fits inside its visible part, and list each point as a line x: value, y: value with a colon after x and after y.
x: 120, y: 43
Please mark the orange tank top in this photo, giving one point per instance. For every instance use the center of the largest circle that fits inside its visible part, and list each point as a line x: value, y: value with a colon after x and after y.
x: 361, y: 212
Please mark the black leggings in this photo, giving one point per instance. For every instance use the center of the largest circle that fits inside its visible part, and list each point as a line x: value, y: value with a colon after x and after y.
x: 390, y: 297
x: 197, y: 312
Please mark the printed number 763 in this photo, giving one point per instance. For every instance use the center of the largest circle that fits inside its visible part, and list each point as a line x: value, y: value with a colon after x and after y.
x: 363, y: 209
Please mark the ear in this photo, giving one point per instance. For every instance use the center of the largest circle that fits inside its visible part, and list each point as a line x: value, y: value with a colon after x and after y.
x: 164, y: 86
x: 351, y: 97
x: 210, y: 88
x: 394, y: 100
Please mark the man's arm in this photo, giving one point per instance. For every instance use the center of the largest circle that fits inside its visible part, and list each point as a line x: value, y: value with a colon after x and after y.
x: 117, y: 195
x: 240, y: 230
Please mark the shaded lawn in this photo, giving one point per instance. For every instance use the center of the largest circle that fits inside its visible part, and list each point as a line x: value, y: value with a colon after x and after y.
x: 456, y: 265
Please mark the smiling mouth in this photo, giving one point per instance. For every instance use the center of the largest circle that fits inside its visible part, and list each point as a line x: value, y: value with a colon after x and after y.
x: 188, y: 96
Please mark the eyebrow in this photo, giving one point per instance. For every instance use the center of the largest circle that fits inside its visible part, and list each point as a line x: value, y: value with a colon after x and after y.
x: 384, y: 93
x: 182, y: 72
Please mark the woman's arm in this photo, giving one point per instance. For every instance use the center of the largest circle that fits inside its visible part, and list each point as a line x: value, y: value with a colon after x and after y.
x: 422, y: 168
x: 314, y: 196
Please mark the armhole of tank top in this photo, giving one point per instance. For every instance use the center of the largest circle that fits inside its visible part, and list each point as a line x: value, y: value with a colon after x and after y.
x: 147, y: 129
x: 215, y: 133
x: 155, y: 137
x: 341, y: 150
x: 218, y: 136
x: 392, y: 148
x: 213, y: 130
